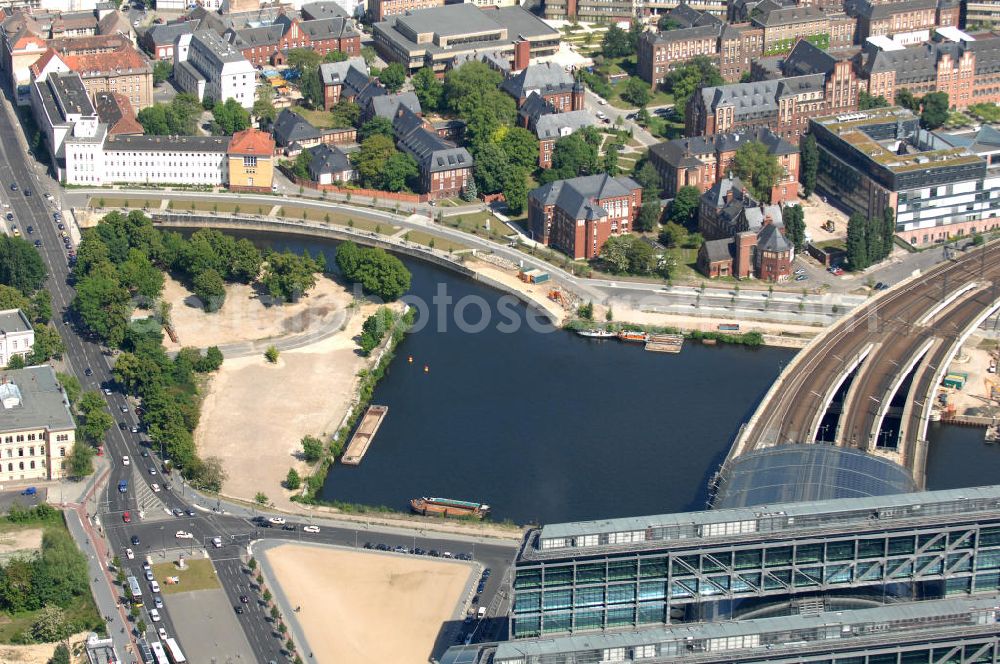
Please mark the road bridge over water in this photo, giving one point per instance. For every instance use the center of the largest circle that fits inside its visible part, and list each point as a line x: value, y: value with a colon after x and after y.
x: 868, y: 382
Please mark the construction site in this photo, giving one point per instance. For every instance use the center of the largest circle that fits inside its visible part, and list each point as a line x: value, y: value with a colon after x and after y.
x: 969, y: 394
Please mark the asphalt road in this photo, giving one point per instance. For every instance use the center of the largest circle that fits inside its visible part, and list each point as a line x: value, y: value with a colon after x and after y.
x: 156, y: 536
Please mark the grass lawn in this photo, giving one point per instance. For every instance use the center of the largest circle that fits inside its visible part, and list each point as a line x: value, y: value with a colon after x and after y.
x: 475, y: 223
x: 336, y: 218
x: 686, y: 260
x: 839, y: 243
x: 199, y: 575
x: 124, y: 202
x: 439, y: 243
x: 317, y: 118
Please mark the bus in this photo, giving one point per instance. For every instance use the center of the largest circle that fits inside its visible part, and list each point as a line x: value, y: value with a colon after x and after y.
x: 135, y: 591
x: 159, y: 656
x: 174, y: 652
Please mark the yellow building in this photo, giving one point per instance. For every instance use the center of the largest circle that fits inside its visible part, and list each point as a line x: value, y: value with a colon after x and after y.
x: 36, y: 427
x: 251, y: 161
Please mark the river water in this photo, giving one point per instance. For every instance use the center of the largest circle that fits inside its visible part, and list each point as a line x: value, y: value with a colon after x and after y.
x: 548, y: 426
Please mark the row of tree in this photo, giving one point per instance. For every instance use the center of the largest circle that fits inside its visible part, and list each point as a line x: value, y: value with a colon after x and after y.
x: 869, y: 240
x: 22, y: 274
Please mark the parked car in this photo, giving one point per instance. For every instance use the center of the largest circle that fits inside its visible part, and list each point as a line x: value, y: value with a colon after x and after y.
x: 130, y: 554
x: 155, y: 488
x: 154, y: 615
x: 310, y: 529
x: 183, y: 534
x: 125, y: 460
x: 276, y: 520
x: 135, y: 540
x: 801, y: 277
x: 126, y: 517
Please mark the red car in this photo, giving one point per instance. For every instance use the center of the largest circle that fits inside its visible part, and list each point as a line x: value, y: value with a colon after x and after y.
x: 126, y: 517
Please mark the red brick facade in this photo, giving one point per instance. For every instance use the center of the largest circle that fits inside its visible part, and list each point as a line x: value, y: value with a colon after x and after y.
x: 295, y: 37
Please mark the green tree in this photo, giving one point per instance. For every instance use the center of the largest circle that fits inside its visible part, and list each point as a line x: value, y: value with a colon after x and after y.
x: 21, y: 266
x: 292, y: 480
x: 795, y: 226
x: 866, y: 101
x: 906, y: 99
x: 81, y: 459
x: 648, y: 217
x: 758, y: 169
x: 230, y: 117
x: 400, y: 172
x: 378, y: 273
x: 209, y: 287
x: 521, y: 148
x: 103, y: 305
x: 809, y: 164
x: 888, y: 230
x: 636, y: 92
x: 287, y: 276
x: 699, y: 72
x: 586, y: 311
x: 162, y: 70
x: 857, y: 242
x: 649, y: 180
x: 50, y: 624
x: 935, y: 109
x: 300, y: 167
x: 41, y: 306
x: 491, y: 168
x: 428, y: 88
x: 61, y: 655
x: 515, y: 190
x: 667, y: 23
x: 11, y: 298
x: 302, y: 59
x: 611, y: 161
x: 70, y: 385
x: 374, y: 329
x: 139, y: 276
x: 261, y: 498
x: 616, y: 43
x: 673, y: 235
x: 371, y: 158
x: 393, y: 77
x: 312, y: 448
x: 345, y: 113
x: 335, y: 56
x: 572, y: 156
x: 271, y: 354
x: 48, y: 344
x: 684, y: 207
x: 377, y: 126
x: 263, y: 105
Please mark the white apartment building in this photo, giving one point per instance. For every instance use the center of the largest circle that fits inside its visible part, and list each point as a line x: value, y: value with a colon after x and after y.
x: 134, y: 159
x: 206, y: 65
x: 17, y: 337
x: 62, y: 109
x: 36, y: 427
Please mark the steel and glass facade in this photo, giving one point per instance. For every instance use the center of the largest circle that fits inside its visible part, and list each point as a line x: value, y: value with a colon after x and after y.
x: 625, y: 573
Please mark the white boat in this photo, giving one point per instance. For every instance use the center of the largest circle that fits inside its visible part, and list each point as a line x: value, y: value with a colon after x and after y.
x: 597, y: 334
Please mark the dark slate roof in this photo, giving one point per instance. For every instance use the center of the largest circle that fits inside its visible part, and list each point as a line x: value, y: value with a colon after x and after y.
x: 351, y: 73
x: 328, y: 28
x: 880, y: 10
x: 719, y: 250
x: 578, y: 197
x: 369, y: 92
x: 545, y: 78
x: 771, y: 238
x: 385, y: 106
x: 680, y: 152
x: 266, y: 35
x: 684, y: 34
x: 555, y: 125
x: 314, y: 10
x: 174, y: 143
x: 806, y: 58
x: 716, y: 195
x: 759, y: 96
x: 768, y: 15
x: 685, y: 15
x: 291, y: 127
x: 918, y: 63
x: 168, y: 33
x: 535, y: 107
x: 326, y: 159
x: 431, y: 152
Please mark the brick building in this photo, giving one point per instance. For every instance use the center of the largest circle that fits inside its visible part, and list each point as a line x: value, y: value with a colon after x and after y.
x: 445, y: 169
x: 578, y: 216
x: 814, y: 83
x: 550, y: 127
x: 549, y: 81
x: 158, y: 41
x: 702, y: 161
x: 908, y: 21
x: 968, y: 70
x: 125, y: 71
x: 268, y: 44
x: 343, y: 80
x: 783, y: 25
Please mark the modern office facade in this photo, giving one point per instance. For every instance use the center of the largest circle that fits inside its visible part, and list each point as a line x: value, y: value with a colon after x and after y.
x: 937, y: 185
x: 962, y: 631
x: 621, y: 574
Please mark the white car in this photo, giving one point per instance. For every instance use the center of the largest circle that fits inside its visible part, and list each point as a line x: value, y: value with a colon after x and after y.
x: 130, y: 554
x: 125, y: 460
x: 154, y: 615
x: 155, y: 488
x: 310, y: 529
x: 277, y: 520
x: 183, y: 534
x: 163, y: 633
x: 149, y: 575
x: 154, y: 585
x: 107, y: 391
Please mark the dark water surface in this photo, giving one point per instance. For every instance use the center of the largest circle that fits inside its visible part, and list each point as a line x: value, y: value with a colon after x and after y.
x: 549, y: 427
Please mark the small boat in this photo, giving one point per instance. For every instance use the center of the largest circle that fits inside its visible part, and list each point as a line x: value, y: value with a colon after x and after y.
x: 448, y: 507
x: 632, y: 335
x: 597, y: 334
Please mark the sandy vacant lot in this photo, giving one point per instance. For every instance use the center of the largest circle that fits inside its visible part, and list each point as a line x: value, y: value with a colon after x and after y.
x: 384, y: 608
x: 29, y: 539
x: 255, y: 413
x: 36, y: 654
x: 244, y: 317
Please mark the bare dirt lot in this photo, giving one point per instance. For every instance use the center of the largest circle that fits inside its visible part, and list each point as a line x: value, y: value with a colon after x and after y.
x: 255, y: 413
x: 245, y: 317
x: 386, y: 608
x: 15, y: 541
x: 39, y: 653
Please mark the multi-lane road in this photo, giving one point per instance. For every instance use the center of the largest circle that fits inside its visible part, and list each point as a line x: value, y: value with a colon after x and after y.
x: 156, y: 531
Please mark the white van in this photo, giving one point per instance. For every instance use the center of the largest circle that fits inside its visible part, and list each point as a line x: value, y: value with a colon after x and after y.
x: 481, y: 613
x: 217, y: 542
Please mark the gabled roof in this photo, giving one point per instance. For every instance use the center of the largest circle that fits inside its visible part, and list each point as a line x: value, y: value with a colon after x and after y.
x: 325, y: 159
x: 314, y: 10
x: 431, y: 152
x: 767, y: 14
x: 684, y: 15
x: 125, y: 60
x: 806, y: 58
x: 351, y: 73
x: 38, y: 66
x: 716, y: 195
x: 167, y: 33
x: 684, y: 34
x: 290, y: 127
x: 114, y: 22
x: 115, y: 110
x: 328, y: 28
x: 579, y: 198
x: 535, y: 107
x: 682, y: 152
x: 719, y: 250
x: 252, y: 142
x: 555, y: 125
x: 385, y: 106
x: 884, y: 10
x: 771, y: 238
x: 545, y: 78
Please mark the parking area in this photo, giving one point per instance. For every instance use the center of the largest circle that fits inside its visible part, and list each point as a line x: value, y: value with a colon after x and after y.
x: 207, y: 627
x: 8, y: 498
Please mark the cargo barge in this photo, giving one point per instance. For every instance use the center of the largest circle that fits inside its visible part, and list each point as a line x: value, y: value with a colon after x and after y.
x: 448, y: 507
x: 364, y: 435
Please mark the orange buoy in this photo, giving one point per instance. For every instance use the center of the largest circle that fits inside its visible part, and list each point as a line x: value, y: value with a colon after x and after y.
x: 410, y: 359
x: 427, y: 369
